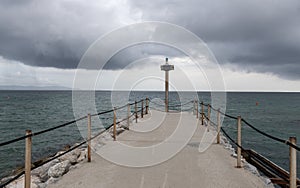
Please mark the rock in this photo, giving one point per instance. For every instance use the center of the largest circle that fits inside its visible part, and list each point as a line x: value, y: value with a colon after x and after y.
x: 82, y: 156
x: 52, y: 180
x: 42, y: 171
x: 72, y: 156
x: 234, y: 155
x: 268, y: 182
x: 251, y: 168
x: 5, y: 179
x: 42, y: 185
x: 58, y: 153
x: 72, y: 167
x: 59, y: 169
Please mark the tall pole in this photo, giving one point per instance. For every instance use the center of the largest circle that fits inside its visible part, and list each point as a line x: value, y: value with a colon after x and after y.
x: 167, y: 67
x: 167, y: 91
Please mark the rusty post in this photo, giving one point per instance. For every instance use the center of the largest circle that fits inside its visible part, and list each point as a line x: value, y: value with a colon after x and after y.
x: 128, y: 115
x: 115, y: 125
x: 202, y: 113
x: 197, y: 113
x: 135, y: 111
x: 208, y: 116
x: 147, y: 105
x: 142, y: 109
x: 89, y: 138
x: 219, y: 126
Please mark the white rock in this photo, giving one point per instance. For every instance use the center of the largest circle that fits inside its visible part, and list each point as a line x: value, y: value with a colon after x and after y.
x: 52, y: 180
x: 268, y: 182
x: 72, y: 156
x: 234, y: 155
x: 42, y: 185
x: 59, y: 169
x: 82, y: 156
x: 251, y: 168
x: 42, y: 171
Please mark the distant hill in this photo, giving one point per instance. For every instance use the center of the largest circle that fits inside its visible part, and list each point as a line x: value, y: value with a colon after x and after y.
x: 12, y: 87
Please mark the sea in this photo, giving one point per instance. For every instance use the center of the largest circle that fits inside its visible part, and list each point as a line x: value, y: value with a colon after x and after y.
x: 277, y: 113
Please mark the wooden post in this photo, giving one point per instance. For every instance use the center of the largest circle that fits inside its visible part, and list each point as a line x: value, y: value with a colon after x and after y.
x: 219, y: 126
x: 147, y: 105
x: 239, y: 142
x: 88, y: 138
x: 197, y: 113
x: 128, y: 115
x: 208, y: 116
x: 28, y: 143
x: 135, y: 111
x: 142, y: 110
x: 293, y: 163
x: 115, y: 125
x: 202, y: 113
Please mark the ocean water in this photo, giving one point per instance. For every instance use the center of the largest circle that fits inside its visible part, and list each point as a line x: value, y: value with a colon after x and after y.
x: 275, y: 113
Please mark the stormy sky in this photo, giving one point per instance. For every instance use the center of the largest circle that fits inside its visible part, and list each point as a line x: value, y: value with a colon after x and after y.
x: 246, y: 37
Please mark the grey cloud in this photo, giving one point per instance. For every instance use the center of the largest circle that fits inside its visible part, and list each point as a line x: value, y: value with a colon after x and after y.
x: 141, y: 51
x: 260, y: 36
x: 52, y: 33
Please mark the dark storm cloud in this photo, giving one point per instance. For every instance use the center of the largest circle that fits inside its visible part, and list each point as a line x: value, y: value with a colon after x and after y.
x: 141, y: 51
x: 260, y: 36
x: 52, y: 33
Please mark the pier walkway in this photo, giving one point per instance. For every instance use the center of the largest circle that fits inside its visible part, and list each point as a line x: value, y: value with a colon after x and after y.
x: 187, y: 168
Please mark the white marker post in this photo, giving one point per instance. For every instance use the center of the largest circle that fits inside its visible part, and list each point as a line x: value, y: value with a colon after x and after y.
x: 167, y: 67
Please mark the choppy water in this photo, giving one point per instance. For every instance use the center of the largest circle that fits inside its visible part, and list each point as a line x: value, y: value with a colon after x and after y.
x: 276, y: 113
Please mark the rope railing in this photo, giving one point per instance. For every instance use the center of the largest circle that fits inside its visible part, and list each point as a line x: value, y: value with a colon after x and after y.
x: 29, y: 136
x: 40, y: 132
x: 267, y: 166
x: 254, y: 128
x: 60, y: 126
x: 141, y: 110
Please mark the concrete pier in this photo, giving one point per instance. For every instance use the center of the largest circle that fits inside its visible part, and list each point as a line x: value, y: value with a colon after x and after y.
x: 188, y: 168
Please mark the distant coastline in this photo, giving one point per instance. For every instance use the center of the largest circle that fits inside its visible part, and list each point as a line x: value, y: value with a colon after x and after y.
x: 39, y: 88
x: 62, y: 88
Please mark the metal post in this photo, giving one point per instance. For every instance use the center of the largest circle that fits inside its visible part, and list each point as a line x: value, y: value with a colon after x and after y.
x: 197, y: 113
x: 28, y: 143
x: 293, y: 163
x: 89, y: 137
x: 239, y: 142
x: 219, y: 126
x: 135, y: 111
x: 115, y: 125
x: 128, y: 115
x: 167, y: 91
x: 202, y: 113
x: 142, y: 110
x: 167, y: 67
x: 147, y: 105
